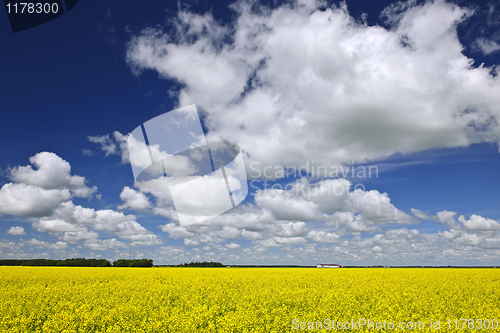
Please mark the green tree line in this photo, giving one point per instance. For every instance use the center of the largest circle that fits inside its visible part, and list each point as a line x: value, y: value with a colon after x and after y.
x: 133, y: 263
x: 77, y: 262
x: 202, y: 264
x: 74, y: 262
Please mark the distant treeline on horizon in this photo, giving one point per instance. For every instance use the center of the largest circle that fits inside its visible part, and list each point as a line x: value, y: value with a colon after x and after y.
x: 78, y: 262
x: 201, y: 264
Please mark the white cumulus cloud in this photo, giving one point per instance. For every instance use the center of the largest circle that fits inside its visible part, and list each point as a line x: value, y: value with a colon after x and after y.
x: 297, y: 84
x: 15, y: 231
x: 52, y: 172
x: 134, y: 200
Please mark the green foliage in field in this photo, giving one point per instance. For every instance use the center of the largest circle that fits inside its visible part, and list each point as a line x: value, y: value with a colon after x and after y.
x: 133, y: 263
x: 74, y: 262
x: 202, y: 264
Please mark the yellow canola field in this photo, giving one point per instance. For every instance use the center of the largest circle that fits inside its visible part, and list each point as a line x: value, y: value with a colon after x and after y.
x: 64, y: 299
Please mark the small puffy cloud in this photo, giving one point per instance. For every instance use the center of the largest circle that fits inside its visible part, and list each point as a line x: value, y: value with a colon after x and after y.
x: 139, y: 155
x: 286, y: 207
x: 16, y: 231
x: 54, y: 225
x: 266, y: 243
x: 115, y: 144
x: 46, y: 245
x: 297, y: 229
x: 142, y: 239
x: 38, y: 191
x: 479, y: 223
x: 227, y: 232
x: 401, y: 233
x: 133, y: 200
x: 29, y: 200
x: 419, y: 214
x: 451, y: 234
x: 209, y: 239
x: 323, y: 237
x: 348, y: 222
x: 233, y: 246
x: 101, y: 245
x: 290, y: 240
x: 251, y: 235
x: 52, y: 172
x: 447, y: 218
x: 168, y: 212
x: 175, y: 231
x: 106, y: 144
x: 60, y: 245
x: 469, y: 239
x: 190, y: 242
x: 376, y: 207
x: 250, y: 218
x: 87, y: 152
x: 171, y: 250
x: 80, y: 235
x: 5, y: 244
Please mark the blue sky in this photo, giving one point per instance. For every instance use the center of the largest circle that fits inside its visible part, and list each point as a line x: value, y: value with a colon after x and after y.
x: 408, y: 88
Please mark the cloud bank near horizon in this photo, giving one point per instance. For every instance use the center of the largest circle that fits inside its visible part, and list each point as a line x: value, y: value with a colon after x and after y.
x: 302, y: 223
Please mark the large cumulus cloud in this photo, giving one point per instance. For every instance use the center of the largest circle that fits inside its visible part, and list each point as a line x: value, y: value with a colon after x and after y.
x: 296, y: 83
x: 38, y: 191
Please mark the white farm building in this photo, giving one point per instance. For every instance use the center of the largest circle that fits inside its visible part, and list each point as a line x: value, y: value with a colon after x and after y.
x: 329, y: 266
